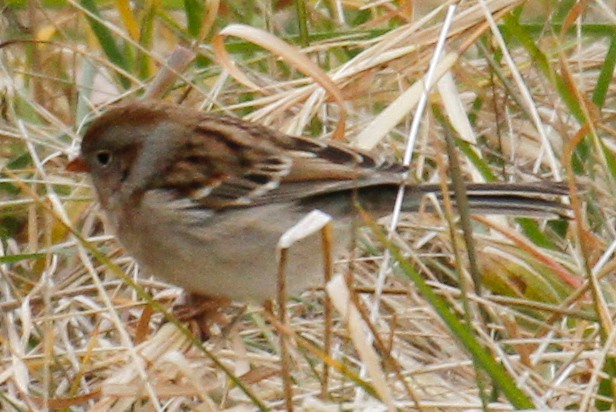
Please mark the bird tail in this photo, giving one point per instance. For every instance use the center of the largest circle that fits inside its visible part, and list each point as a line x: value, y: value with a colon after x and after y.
x: 541, y: 199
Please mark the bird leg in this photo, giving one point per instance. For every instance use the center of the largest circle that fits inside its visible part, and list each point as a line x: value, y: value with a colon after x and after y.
x: 201, y: 312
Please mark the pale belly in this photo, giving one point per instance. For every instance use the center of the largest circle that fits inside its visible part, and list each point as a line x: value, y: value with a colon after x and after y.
x: 234, y: 257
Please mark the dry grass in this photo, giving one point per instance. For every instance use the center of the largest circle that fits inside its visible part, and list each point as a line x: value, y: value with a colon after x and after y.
x: 77, y: 335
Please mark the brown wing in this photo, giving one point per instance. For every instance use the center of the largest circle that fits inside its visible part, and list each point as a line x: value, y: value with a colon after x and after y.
x: 228, y: 162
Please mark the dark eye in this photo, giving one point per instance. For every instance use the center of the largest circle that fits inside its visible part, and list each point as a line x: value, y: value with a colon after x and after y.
x: 103, y: 157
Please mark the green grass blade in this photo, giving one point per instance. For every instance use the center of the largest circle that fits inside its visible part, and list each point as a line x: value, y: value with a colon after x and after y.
x: 515, y: 31
x: 194, y: 16
x: 20, y: 257
x: 607, y: 73
x: 482, y: 357
x: 106, y: 40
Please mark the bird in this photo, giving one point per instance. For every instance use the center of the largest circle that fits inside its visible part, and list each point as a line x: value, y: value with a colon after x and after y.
x: 200, y: 200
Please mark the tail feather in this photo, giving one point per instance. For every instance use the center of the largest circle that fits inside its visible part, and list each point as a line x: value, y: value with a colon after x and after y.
x: 542, y: 199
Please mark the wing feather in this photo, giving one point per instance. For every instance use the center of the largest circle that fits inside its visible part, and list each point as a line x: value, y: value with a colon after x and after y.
x: 228, y: 163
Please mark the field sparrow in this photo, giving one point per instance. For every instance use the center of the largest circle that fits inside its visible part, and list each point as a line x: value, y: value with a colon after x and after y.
x: 201, y: 200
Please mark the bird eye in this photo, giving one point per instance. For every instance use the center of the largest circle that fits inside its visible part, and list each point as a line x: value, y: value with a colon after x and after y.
x: 103, y: 157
